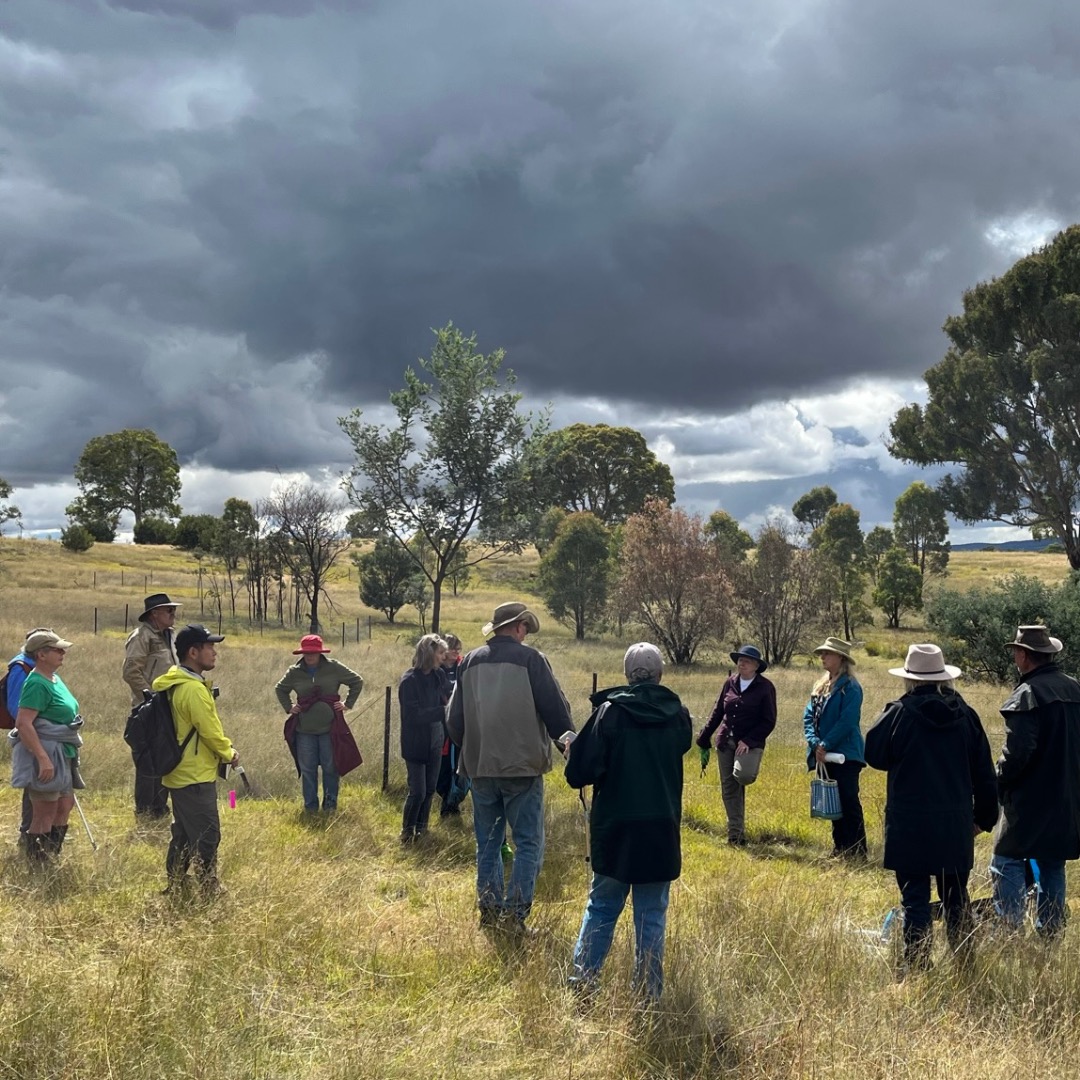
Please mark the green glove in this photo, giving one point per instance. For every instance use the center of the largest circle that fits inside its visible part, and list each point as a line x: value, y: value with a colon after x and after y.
x: 705, y: 753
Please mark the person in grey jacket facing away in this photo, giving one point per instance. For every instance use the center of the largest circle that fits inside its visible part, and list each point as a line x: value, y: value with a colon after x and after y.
x: 505, y: 712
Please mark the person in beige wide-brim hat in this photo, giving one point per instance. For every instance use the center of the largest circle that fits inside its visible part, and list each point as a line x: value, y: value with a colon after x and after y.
x: 941, y: 790
x: 925, y: 663
x: 834, y: 742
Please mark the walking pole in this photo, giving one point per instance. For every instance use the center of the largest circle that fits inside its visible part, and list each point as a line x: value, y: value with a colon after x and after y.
x: 86, y: 824
x: 588, y: 838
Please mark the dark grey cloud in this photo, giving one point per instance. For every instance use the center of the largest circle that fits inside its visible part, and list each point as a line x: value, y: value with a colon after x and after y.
x: 234, y: 221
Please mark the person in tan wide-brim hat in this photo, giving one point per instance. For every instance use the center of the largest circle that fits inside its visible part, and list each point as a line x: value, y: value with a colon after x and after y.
x: 834, y: 742
x: 510, y: 614
x: 839, y: 646
x: 941, y: 790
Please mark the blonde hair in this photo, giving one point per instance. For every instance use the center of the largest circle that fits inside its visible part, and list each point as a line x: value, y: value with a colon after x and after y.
x: 426, y: 647
x: 823, y: 684
x: 941, y: 685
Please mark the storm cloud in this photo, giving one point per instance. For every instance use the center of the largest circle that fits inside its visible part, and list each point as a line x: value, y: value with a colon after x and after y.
x: 234, y: 222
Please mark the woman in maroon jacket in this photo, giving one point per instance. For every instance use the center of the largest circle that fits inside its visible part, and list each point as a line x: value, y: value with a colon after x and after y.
x: 743, y: 716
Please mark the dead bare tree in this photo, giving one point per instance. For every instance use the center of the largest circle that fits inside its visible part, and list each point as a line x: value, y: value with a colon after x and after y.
x: 309, y: 519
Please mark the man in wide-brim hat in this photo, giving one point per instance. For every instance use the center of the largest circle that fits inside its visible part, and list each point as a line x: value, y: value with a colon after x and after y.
x: 1038, y: 782
x: 148, y: 653
x: 505, y: 711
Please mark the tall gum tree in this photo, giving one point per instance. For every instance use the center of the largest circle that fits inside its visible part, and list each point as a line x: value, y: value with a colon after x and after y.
x: 127, y: 470
x: 1004, y: 403
x: 452, y: 467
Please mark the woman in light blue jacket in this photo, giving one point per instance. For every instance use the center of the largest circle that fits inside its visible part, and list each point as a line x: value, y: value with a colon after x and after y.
x: 835, y: 742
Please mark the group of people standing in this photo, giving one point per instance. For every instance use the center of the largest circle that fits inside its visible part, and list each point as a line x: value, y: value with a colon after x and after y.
x: 942, y: 788
x: 489, y: 721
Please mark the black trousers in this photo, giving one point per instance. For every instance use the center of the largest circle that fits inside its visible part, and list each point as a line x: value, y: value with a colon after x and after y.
x: 196, y: 831
x: 848, y: 832
x: 918, y: 926
x: 151, y: 796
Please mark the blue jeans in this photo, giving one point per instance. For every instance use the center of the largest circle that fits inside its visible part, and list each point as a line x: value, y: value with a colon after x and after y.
x: 313, y: 751
x: 1011, y: 888
x: 517, y: 801
x: 607, y: 897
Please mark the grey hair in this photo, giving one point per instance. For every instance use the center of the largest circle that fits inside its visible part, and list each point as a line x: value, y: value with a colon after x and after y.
x: 640, y: 675
x: 426, y: 647
x: 453, y: 642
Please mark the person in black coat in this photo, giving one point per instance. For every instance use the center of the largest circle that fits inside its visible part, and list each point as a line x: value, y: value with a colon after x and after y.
x: 422, y: 696
x: 1038, y: 783
x: 941, y: 790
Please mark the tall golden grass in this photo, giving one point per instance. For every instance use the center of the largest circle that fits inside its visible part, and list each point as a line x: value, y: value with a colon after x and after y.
x: 338, y: 955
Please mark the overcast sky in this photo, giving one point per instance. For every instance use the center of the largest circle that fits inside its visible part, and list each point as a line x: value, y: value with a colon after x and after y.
x: 737, y: 227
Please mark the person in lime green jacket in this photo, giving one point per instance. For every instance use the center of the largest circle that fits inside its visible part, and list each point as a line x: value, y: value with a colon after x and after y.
x: 196, y: 827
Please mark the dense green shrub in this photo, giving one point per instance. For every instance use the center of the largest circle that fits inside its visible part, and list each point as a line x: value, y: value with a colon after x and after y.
x: 980, y: 621
x: 195, y: 532
x: 155, y: 530
x: 77, y: 538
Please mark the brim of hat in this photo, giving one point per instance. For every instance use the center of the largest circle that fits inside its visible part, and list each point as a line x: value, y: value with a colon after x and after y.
x: 950, y: 672
x: 62, y: 644
x: 142, y: 617
x: 300, y: 652
x: 839, y: 652
x: 737, y: 656
x: 1055, y: 646
x: 525, y: 616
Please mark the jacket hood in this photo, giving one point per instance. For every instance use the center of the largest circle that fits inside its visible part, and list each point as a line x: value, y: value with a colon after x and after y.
x: 173, y: 676
x: 649, y: 702
x: 937, y: 710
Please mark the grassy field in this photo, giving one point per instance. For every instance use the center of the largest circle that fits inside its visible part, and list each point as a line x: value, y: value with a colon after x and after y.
x: 338, y: 955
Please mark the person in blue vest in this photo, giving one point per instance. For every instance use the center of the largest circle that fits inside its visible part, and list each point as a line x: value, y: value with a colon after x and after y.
x: 631, y: 750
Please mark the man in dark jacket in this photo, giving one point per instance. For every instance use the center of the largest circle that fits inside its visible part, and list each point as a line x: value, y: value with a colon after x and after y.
x: 1038, y: 782
x: 940, y: 792
x: 631, y: 750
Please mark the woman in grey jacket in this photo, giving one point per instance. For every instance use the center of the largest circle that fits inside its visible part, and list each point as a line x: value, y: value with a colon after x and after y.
x: 422, y: 697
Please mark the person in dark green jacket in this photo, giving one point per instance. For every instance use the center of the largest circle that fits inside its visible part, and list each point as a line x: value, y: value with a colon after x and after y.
x: 631, y: 750
x: 316, y: 680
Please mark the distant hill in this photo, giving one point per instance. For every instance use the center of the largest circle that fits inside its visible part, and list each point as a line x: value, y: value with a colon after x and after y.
x: 1008, y: 545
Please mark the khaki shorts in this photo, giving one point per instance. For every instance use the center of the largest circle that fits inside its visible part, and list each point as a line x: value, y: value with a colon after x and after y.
x: 49, y: 796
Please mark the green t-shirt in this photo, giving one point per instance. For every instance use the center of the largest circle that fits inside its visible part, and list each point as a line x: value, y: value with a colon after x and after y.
x: 49, y: 698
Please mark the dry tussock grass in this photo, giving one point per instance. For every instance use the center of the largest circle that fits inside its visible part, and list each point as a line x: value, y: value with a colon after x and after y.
x: 338, y: 955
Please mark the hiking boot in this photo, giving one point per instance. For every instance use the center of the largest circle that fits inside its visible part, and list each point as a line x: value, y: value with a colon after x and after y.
x: 37, y: 850
x: 736, y: 841
x: 54, y: 839
x: 179, y: 889
x: 212, y: 889
x: 514, y: 926
x: 408, y: 836
x: 489, y: 918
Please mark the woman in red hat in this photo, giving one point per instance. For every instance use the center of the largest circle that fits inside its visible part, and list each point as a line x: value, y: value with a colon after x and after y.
x: 316, y: 680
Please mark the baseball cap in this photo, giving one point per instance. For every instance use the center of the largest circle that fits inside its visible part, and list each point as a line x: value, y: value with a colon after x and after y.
x: 195, y: 634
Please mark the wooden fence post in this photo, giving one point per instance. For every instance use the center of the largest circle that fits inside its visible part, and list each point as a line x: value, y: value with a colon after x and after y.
x: 386, y: 744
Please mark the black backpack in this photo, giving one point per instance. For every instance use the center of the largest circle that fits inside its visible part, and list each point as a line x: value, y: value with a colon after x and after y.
x: 151, y: 734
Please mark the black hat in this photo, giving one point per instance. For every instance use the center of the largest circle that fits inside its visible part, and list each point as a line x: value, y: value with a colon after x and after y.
x: 194, y: 634
x: 751, y: 652
x: 159, y: 599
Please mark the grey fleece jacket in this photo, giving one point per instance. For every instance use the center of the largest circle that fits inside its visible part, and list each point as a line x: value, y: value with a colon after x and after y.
x: 506, y: 710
